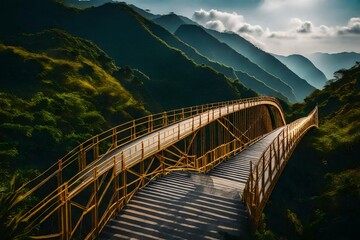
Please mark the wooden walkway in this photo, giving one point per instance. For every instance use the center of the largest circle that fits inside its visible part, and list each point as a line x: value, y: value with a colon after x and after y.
x: 184, y: 205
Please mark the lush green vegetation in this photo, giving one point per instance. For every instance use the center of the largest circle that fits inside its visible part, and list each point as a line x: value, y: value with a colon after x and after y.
x: 318, y: 194
x: 56, y: 91
x: 127, y: 38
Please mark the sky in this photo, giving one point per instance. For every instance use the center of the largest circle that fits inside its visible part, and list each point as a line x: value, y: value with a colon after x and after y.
x: 278, y: 26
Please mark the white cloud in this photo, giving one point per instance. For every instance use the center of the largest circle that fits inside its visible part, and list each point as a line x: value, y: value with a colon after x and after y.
x: 353, y: 27
x: 247, y: 28
x: 229, y: 20
x: 222, y: 21
x: 297, y: 35
x: 216, y: 25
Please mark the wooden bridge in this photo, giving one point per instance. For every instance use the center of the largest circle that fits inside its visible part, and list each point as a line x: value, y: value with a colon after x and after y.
x: 99, y: 187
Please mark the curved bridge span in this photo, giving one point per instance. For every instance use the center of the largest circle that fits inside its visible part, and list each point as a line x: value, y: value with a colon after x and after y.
x: 102, y: 176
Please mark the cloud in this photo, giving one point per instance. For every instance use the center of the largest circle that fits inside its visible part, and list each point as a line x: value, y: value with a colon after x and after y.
x: 303, y: 29
x: 247, y: 28
x: 306, y: 27
x: 216, y: 25
x: 229, y: 20
x: 222, y: 21
x: 296, y: 35
x: 353, y: 27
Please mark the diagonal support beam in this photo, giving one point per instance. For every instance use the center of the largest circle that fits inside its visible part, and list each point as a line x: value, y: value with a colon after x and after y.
x: 231, y: 133
x: 242, y: 134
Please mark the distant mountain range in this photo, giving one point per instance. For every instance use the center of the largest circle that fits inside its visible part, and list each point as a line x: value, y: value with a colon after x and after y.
x: 330, y: 63
x: 305, y: 69
x: 209, y: 46
x: 266, y: 61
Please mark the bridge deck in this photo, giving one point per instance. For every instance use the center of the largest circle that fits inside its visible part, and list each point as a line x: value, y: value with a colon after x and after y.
x: 184, y: 205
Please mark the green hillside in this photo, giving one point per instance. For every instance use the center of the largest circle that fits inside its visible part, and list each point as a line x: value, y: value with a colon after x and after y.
x: 175, y: 79
x: 304, y: 68
x: 220, y: 52
x: 318, y: 194
x: 267, y: 62
x: 56, y: 91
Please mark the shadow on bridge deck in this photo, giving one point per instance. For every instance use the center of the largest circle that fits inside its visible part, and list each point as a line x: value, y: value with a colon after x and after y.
x: 184, y: 205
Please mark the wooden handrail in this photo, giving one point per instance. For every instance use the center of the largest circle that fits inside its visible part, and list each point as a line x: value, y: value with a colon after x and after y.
x: 265, y: 172
x: 122, y: 147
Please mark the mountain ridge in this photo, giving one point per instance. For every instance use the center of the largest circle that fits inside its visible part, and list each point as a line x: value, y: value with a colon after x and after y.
x: 266, y: 61
x: 329, y: 63
x: 215, y: 50
x: 304, y: 68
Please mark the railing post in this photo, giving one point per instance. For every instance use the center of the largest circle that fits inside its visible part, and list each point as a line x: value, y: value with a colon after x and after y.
x: 116, y: 184
x: 164, y: 119
x: 124, y: 177
x: 114, y: 138
x: 95, y: 215
x: 142, y: 150
x: 96, y: 147
x: 150, y: 123
x: 133, y: 133
x: 81, y: 159
x: 193, y: 123
x: 65, y: 212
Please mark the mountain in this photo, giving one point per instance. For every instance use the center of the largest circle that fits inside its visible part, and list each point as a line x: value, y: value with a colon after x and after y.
x: 330, y: 63
x: 173, y: 41
x: 266, y: 61
x: 229, y: 72
x: 171, y: 22
x: 84, y: 3
x: 215, y: 50
x: 176, y: 81
x: 317, y: 195
x: 57, y: 90
x: 259, y: 86
x: 304, y: 68
x: 145, y: 13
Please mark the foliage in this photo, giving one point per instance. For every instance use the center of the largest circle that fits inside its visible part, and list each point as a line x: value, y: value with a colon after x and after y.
x: 129, y: 39
x: 56, y: 91
x: 11, y: 208
x: 319, y: 190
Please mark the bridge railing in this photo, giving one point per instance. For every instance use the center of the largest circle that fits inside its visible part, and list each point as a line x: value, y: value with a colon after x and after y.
x: 265, y: 172
x: 62, y: 186
x: 97, y: 147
